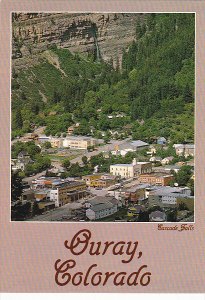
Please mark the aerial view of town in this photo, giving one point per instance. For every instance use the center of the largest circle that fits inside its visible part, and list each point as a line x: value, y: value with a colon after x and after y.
x: 102, y: 108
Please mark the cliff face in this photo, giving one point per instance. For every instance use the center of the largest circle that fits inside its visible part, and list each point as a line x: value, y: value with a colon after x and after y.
x: 106, y: 35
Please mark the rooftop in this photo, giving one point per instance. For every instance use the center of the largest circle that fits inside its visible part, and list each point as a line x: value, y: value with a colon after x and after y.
x: 102, y: 206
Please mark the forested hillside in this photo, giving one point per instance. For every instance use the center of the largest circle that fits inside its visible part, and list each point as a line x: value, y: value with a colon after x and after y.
x: 153, y: 89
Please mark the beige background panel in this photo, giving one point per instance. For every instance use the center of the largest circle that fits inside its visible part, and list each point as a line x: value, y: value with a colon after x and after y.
x: 29, y: 251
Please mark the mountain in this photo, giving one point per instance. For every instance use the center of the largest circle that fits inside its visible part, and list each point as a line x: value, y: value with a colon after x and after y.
x: 69, y: 68
x: 80, y: 33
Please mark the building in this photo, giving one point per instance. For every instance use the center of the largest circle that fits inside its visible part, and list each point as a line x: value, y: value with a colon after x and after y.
x: 42, y: 194
x: 67, y: 192
x: 99, y: 180
x: 21, y: 162
x: 161, y: 179
x: 170, y: 168
x: 56, y: 142
x: 135, y: 210
x: 167, y: 160
x: 167, y: 196
x: 155, y: 159
x: 184, y: 149
x: 161, y: 141
x: 157, y: 216
x: 45, y: 182
x: 131, y: 170
x: 28, y: 195
x: 45, y: 205
x: 43, y: 138
x: 90, y: 178
x: 101, y: 207
x: 135, y: 193
x: 152, y: 150
x: 70, y: 130
x: 79, y: 142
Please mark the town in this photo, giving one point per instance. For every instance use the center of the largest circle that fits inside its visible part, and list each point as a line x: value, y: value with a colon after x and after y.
x: 118, y: 181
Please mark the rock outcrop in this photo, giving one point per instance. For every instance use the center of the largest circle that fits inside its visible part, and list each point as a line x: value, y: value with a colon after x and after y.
x: 105, y: 34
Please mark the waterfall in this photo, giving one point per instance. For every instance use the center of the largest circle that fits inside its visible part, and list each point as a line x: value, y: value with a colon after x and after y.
x: 96, y: 44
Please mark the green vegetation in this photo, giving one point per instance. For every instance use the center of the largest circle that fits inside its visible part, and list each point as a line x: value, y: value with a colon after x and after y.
x: 153, y: 91
x: 38, y: 162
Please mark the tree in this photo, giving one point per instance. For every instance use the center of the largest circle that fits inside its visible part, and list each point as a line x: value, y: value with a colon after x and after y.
x: 75, y: 170
x: 18, y: 119
x: 47, y: 145
x: 85, y: 160
x: 66, y: 163
x: 183, y: 176
x: 16, y: 186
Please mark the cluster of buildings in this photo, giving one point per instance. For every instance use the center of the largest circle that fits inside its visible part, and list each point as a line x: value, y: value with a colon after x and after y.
x: 143, y: 171
x: 51, y: 192
x: 21, y: 161
x: 129, y: 146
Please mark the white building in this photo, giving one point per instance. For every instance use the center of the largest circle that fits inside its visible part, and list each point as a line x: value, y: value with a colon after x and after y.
x: 131, y: 170
x: 54, y: 196
x: 79, y: 142
x: 123, y: 170
x: 101, y: 210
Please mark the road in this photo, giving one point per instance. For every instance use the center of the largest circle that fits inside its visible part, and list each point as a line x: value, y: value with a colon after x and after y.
x: 57, y: 213
x: 107, y: 147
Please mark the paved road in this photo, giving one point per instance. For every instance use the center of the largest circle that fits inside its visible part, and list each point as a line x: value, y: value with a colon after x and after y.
x: 57, y: 214
x: 107, y: 147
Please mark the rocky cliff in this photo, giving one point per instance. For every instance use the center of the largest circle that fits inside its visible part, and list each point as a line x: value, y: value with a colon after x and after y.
x: 106, y: 35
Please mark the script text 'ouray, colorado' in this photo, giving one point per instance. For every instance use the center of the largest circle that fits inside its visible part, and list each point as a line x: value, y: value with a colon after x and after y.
x: 67, y: 272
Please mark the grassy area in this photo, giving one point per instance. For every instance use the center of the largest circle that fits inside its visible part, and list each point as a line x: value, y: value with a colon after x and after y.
x: 62, y: 157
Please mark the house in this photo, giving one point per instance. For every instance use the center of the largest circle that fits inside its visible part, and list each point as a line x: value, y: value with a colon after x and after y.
x: 101, y: 209
x: 135, y: 210
x: 157, y: 216
x: 101, y: 199
x: 130, y: 170
x: 155, y: 159
x: 43, y: 138
x: 139, y: 145
x: 161, y: 141
x: 21, y: 162
x: 184, y: 149
x: 152, y: 150
x: 161, y: 179
x: 70, y: 130
x: 167, y: 160
x: 170, y: 168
